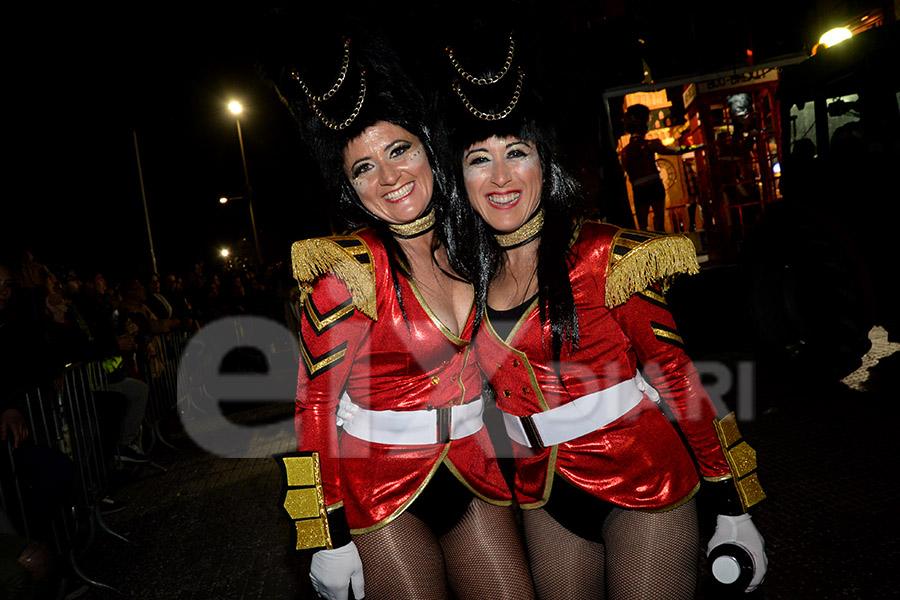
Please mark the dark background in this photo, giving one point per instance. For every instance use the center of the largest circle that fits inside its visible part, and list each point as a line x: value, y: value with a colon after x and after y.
x: 85, y: 80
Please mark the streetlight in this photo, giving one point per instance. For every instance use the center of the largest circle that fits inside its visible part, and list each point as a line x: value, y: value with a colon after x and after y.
x: 835, y: 36
x: 832, y: 37
x: 137, y: 156
x: 235, y: 107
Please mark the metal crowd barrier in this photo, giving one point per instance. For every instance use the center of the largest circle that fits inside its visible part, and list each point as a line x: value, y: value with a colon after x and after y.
x: 65, y: 420
x: 43, y: 419
x: 160, y: 372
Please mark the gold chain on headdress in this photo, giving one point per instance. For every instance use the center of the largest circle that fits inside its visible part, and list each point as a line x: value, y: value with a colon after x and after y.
x: 523, y: 234
x: 414, y: 228
x: 337, y: 84
x: 484, y: 80
x: 359, y: 102
x: 314, y: 100
x: 491, y: 116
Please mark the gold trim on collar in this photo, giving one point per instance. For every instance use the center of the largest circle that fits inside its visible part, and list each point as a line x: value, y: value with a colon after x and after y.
x: 515, y: 329
x: 414, y: 228
x: 530, y: 229
x: 457, y: 340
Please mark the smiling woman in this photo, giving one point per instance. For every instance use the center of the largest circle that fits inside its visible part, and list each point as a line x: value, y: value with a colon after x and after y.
x: 389, y: 170
x: 503, y: 181
x: 575, y: 317
x: 413, y: 497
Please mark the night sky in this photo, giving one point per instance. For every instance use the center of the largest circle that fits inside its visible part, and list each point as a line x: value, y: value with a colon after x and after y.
x: 85, y: 79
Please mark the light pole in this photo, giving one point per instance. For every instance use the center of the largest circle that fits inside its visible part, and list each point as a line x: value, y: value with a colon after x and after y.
x: 236, y: 108
x: 137, y: 156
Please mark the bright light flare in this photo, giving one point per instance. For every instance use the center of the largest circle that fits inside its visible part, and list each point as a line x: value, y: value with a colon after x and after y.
x: 835, y: 36
x: 224, y: 252
x: 223, y: 200
x: 235, y: 107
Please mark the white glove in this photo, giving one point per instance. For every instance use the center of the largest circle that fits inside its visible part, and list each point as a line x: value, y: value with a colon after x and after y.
x: 345, y: 410
x: 740, y: 530
x: 333, y: 571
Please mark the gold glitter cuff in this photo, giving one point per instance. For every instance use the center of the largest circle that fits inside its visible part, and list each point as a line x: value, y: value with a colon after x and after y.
x: 741, y: 460
x: 304, y: 499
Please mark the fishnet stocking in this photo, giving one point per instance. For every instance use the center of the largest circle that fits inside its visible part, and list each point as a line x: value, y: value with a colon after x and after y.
x: 484, y: 555
x: 402, y: 560
x: 652, y: 556
x: 647, y: 556
x: 564, y: 565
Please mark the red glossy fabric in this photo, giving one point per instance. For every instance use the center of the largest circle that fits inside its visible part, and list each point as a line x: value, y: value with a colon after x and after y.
x: 639, y: 461
x: 394, y: 363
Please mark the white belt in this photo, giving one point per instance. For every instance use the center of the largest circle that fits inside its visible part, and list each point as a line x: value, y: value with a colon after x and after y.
x: 412, y: 427
x: 578, y: 417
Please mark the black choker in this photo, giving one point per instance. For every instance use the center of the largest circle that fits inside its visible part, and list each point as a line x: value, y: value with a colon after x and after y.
x: 524, y: 234
x: 413, y: 229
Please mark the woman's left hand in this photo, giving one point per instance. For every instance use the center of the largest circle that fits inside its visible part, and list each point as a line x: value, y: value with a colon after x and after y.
x: 740, y: 530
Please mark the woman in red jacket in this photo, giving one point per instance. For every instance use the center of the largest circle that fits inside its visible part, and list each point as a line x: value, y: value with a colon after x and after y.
x: 575, y: 317
x: 411, y: 494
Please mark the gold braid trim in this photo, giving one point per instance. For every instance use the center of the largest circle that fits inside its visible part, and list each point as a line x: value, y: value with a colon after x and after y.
x: 315, y: 257
x: 640, y: 258
x: 741, y: 460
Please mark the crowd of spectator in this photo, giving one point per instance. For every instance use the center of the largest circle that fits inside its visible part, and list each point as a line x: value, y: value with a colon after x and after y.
x: 54, y: 316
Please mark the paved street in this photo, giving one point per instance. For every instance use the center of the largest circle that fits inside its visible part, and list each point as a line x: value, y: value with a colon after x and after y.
x: 212, y: 528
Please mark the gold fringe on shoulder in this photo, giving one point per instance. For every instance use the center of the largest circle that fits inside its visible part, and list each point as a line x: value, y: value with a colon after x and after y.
x: 639, y: 258
x: 347, y: 257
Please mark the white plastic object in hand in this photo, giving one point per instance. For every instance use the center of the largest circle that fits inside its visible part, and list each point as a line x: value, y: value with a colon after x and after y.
x: 332, y: 572
x: 345, y: 410
x: 742, y: 532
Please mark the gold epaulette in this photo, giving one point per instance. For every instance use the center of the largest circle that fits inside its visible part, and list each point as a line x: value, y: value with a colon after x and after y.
x: 638, y: 259
x: 741, y: 459
x: 348, y: 257
x: 304, y: 499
